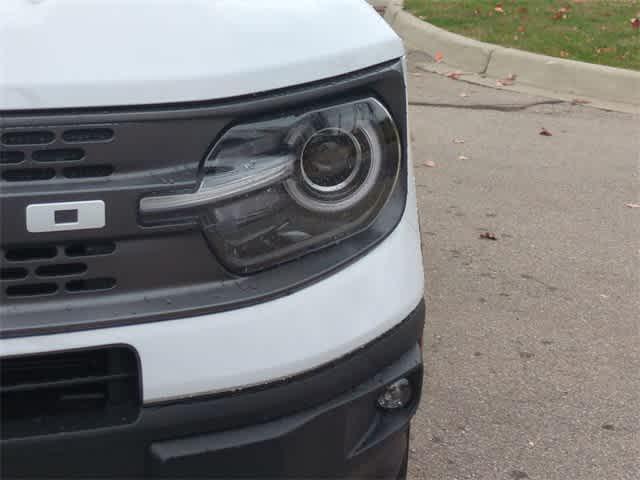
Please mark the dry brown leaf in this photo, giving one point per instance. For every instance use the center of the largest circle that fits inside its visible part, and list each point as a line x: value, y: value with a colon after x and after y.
x: 429, y: 163
x: 545, y: 133
x: 498, y: 8
x: 488, y: 236
x: 438, y: 57
x: 454, y: 75
x: 507, y: 81
x: 632, y: 205
x: 635, y: 23
x: 564, y: 53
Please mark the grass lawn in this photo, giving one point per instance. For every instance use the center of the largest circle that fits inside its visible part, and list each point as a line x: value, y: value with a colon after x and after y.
x: 596, y: 31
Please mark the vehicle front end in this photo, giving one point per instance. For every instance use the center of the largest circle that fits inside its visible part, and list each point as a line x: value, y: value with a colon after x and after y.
x: 211, y: 261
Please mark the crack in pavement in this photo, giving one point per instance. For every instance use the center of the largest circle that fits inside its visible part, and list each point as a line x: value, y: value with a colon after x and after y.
x: 507, y: 107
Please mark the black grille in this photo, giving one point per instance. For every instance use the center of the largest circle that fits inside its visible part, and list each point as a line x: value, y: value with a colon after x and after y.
x: 52, y: 269
x: 23, y: 156
x: 62, y: 392
x: 134, y: 272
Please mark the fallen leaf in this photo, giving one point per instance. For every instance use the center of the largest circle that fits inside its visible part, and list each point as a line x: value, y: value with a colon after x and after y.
x: 564, y: 53
x: 545, y: 133
x: 488, y: 236
x: 438, y: 57
x: 506, y: 81
x: 462, y: 157
x: 429, y: 163
x: 580, y: 101
x: 522, y: 28
x: 498, y: 9
x: 635, y: 23
x: 454, y: 75
x: 632, y: 205
x: 458, y: 140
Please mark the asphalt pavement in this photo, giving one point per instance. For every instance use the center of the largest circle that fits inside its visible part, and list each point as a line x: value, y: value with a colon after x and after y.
x: 532, y: 348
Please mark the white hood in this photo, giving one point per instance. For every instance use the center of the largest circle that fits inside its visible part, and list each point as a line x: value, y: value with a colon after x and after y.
x: 88, y: 53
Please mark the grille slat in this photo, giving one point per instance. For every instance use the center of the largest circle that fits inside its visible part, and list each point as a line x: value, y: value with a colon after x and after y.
x: 71, y: 382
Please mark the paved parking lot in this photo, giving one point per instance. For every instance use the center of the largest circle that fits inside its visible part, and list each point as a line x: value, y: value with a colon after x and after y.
x: 532, y: 347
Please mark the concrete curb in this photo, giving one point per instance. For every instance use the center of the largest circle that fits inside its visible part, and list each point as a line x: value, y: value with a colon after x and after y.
x: 553, y: 75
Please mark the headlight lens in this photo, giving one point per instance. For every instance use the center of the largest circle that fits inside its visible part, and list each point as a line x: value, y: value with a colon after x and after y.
x: 277, y: 189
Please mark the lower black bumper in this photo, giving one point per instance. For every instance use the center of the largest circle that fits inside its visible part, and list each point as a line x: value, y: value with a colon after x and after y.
x: 323, y: 424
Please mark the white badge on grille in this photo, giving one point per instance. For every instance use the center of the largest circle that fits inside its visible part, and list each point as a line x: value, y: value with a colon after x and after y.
x: 60, y: 217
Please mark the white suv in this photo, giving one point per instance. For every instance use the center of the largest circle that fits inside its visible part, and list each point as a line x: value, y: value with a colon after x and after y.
x: 210, y: 260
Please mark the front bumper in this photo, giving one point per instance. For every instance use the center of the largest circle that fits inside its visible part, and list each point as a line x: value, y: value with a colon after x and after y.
x: 323, y: 423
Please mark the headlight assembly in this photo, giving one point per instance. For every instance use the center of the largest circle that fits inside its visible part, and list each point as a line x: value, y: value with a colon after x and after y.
x: 280, y: 188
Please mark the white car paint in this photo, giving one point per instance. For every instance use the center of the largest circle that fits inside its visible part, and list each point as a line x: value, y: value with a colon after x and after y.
x: 273, y: 340
x: 89, y: 53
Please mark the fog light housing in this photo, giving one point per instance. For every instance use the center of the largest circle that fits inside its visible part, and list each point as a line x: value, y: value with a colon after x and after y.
x: 396, y: 395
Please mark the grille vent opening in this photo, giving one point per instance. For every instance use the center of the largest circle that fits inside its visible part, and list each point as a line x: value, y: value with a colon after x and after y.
x: 13, y: 273
x: 28, y: 138
x: 24, y: 254
x: 91, y: 285
x: 59, y: 155
x: 61, y: 270
x: 42, y: 155
x: 11, y: 157
x: 90, y: 249
x: 88, y: 171
x: 88, y: 135
x: 28, y: 174
x: 32, y: 289
x: 62, y: 392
